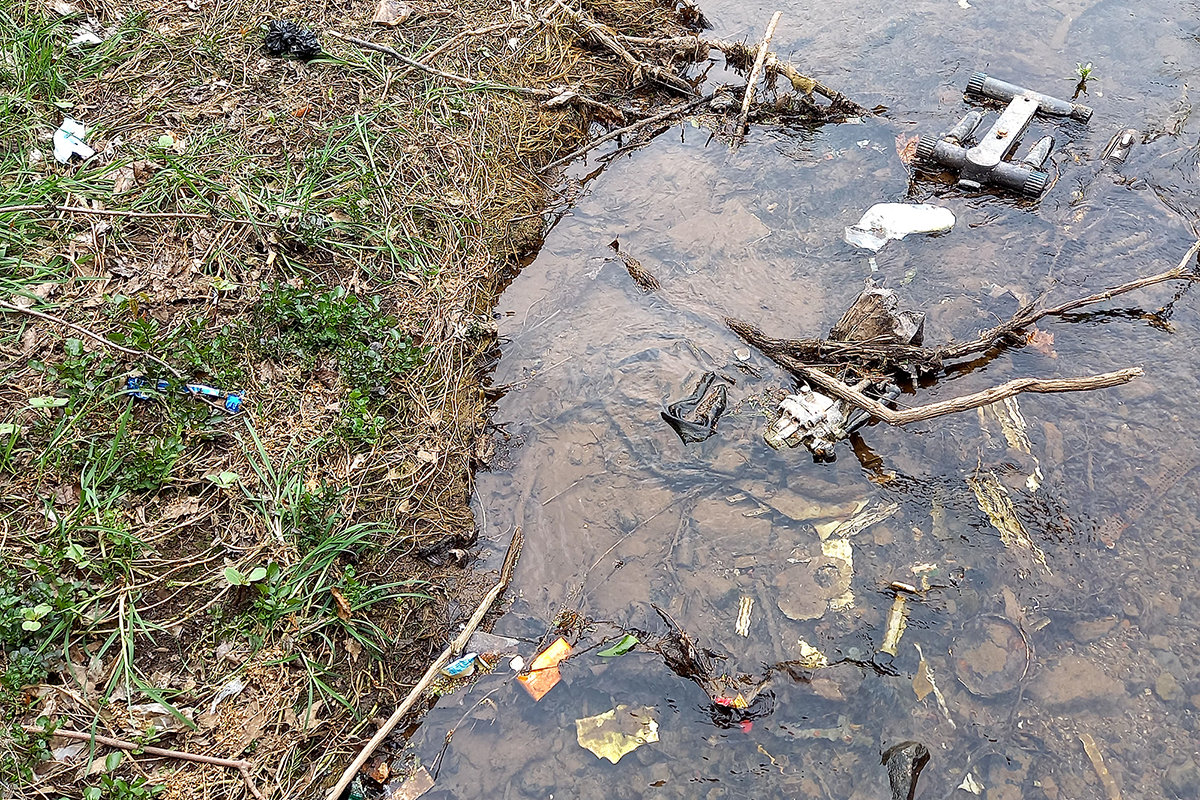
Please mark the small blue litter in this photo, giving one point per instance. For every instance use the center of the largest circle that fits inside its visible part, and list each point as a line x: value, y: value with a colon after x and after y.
x: 135, y: 386
x: 462, y: 667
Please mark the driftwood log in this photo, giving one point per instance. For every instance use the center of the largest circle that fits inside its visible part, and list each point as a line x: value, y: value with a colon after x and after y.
x: 812, y: 359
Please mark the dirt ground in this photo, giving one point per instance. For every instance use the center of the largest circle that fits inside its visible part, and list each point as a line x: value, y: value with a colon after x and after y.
x: 260, y: 569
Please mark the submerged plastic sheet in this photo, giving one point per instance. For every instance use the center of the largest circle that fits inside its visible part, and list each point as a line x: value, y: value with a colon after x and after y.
x: 885, y: 221
x: 615, y: 733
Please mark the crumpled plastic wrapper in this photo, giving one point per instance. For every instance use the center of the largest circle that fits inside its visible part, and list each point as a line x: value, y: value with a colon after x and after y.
x: 284, y: 38
x: 615, y: 733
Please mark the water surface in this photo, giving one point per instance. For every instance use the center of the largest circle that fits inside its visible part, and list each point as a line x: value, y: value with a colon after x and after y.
x: 619, y: 515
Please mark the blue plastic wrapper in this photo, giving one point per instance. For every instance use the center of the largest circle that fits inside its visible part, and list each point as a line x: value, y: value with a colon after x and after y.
x: 463, y: 666
x: 135, y: 386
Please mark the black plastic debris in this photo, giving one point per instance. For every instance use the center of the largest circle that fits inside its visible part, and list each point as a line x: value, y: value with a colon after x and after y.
x: 284, y: 38
x: 904, y: 763
x: 695, y: 417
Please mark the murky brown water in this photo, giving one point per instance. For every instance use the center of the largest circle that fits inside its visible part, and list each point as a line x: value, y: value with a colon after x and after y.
x: 618, y: 514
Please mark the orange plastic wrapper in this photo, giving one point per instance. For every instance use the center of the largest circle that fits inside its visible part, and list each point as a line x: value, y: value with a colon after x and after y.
x: 543, y: 672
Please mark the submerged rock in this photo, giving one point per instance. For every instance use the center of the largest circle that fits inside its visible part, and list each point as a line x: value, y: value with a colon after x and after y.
x: 904, y: 763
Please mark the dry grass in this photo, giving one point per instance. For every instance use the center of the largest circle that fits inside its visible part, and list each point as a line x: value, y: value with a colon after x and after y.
x: 130, y: 530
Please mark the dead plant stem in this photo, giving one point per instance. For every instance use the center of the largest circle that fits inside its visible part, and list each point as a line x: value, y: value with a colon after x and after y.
x: 965, y: 403
x: 682, y: 108
x: 106, y: 212
x: 243, y: 767
x: 748, y: 98
x: 453, y: 649
x: 461, y: 80
x: 92, y: 335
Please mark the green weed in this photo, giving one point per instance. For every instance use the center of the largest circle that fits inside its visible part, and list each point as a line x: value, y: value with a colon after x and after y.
x: 302, y: 323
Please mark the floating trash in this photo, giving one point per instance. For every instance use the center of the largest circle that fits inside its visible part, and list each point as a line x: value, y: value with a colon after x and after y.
x: 462, y: 667
x: 695, y: 417
x: 886, y: 221
x: 616, y: 733
x: 904, y: 763
x: 897, y: 620
x: 543, y: 672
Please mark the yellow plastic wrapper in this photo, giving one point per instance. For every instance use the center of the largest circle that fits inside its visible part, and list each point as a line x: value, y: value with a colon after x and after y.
x: 614, y: 733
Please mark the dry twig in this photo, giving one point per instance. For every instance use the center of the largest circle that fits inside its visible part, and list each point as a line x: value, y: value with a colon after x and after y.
x: 682, y: 108
x: 243, y: 767
x: 965, y: 403
x: 133, y: 351
x: 454, y: 648
x: 450, y: 76
x: 106, y: 212
x: 812, y: 352
x: 748, y: 98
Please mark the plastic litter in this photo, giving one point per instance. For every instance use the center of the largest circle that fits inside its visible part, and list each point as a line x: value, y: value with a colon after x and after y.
x: 543, y: 672
x: 461, y: 667
x: 481, y: 642
x: 969, y: 784
x: 68, y: 141
x: 284, y: 38
x: 85, y: 37
x: 136, y: 385
x: 615, y: 733
x: 1118, y: 147
x: 985, y: 162
x: 695, y: 417
x: 745, y: 607
x: 886, y: 221
x: 231, y: 689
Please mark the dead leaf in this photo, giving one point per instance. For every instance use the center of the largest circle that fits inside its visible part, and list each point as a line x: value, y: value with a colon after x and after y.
x: 353, y: 648
x: 417, y: 785
x: 309, y: 720
x: 343, y: 605
x: 906, y: 148
x: 378, y: 770
x: 921, y: 683
x: 428, y: 456
x: 1042, y: 342
x: 826, y: 688
x: 67, y: 495
x: 29, y: 341
x: 123, y: 180
x: 392, y: 13
x: 180, y: 507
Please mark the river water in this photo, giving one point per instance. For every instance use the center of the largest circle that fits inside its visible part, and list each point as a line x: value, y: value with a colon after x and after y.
x: 620, y: 516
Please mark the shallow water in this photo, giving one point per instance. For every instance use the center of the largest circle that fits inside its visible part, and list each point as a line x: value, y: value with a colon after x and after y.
x: 618, y: 514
